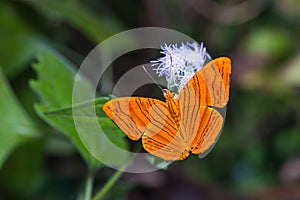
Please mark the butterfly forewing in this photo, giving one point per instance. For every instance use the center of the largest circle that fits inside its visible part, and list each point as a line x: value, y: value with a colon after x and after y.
x: 210, y: 84
x: 216, y: 75
x: 133, y: 114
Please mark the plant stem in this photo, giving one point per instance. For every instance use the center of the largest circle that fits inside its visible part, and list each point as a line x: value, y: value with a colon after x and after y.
x: 108, y: 185
x: 88, y: 186
x: 112, y: 180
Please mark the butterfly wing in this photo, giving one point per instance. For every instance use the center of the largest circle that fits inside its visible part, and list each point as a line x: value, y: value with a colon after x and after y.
x: 151, y: 119
x: 210, y: 124
x: 216, y: 75
x: 200, y: 125
x: 134, y: 114
x: 211, y: 83
x: 164, y: 144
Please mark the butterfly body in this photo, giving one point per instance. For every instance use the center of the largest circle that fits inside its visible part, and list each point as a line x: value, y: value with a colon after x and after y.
x: 182, y: 124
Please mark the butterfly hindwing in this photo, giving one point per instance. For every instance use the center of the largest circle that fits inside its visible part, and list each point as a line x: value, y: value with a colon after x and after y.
x: 189, y: 104
x: 165, y: 141
x: 208, y: 131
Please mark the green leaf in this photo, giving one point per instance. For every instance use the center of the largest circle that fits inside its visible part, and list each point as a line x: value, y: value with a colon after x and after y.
x: 78, y: 15
x: 55, y: 79
x: 18, y: 40
x: 24, y: 173
x: 16, y: 126
x: 83, y: 111
x: 110, y: 154
x: 158, y: 162
x: 54, y: 88
x: 112, y: 150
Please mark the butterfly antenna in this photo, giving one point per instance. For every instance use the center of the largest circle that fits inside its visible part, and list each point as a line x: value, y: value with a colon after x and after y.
x: 153, y: 79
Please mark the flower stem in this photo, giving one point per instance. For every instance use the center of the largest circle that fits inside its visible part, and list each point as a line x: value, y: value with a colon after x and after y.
x: 88, y: 187
x: 108, y: 185
x: 113, y: 179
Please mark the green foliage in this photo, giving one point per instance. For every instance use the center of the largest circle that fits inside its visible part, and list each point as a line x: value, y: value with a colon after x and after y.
x: 18, y: 40
x: 83, y: 111
x: 77, y: 14
x: 16, y: 127
x: 268, y: 41
x: 22, y: 171
x: 291, y: 73
x: 54, y: 88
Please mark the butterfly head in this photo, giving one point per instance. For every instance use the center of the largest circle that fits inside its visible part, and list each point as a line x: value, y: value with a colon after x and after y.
x: 168, y: 94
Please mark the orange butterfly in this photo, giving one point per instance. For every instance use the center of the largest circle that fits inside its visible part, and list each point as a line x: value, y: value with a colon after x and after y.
x: 188, y: 123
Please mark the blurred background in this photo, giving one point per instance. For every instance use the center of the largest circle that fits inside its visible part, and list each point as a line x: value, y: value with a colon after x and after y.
x: 258, y: 153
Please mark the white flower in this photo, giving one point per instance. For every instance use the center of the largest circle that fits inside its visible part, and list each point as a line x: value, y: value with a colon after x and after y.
x: 180, y: 63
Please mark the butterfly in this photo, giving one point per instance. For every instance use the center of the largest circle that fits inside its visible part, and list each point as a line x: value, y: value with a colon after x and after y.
x: 189, y: 122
